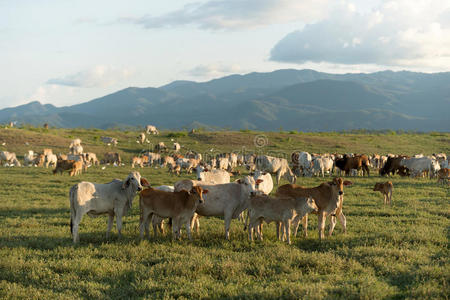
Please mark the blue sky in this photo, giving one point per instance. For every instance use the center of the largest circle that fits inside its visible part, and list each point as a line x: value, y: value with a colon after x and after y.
x: 67, y: 52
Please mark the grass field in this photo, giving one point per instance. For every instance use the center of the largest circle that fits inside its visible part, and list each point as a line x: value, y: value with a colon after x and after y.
x: 388, y: 252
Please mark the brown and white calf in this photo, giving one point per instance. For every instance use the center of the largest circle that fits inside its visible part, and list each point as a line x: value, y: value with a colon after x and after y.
x: 385, y: 188
x: 329, y: 200
x: 180, y: 206
x: 276, y: 209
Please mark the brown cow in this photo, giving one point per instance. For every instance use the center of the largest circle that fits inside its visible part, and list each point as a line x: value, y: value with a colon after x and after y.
x: 329, y: 200
x: 137, y: 161
x: 443, y: 175
x: 392, y: 165
x: 112, y: 157
x: 180, y: 206
x: 356, y: 162
x: 385, y: 188
x: 64, y: 165
x: 77, y: 168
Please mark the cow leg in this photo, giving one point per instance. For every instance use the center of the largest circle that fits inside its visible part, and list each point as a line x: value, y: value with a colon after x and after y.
x: 278, y: 226
x: 188, y: 228
x: 343, y: 221
x: 119, y: 223
x: 305, y: 225
x: 75, y: 226
x: 110, y: 224
x: 227, y: 218
x: 278, y: 177
x: 287, y: 230
x: 332, y: 225
x: 321, y: 225
x: 296, y: 223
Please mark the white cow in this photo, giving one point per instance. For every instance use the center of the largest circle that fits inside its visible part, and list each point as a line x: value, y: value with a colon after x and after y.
x: 9, y: 157
x: 265, y: 184
x: 275, y: 165
x: 141, y: 138
x: 305, y: 162
x: 417, y: 165
x: 322, y: 165
x: 213, y: 176
x: 223, y: 163
x: 228, y: 200
x: 75, y: 142
x: 51, y: 159
x: 29, y: 158
x: 187, y: 163
x: 176, y: 147
x: 78, y: 149
x: 150, y: 129
x: 233, y: 160
x: 94, y: 199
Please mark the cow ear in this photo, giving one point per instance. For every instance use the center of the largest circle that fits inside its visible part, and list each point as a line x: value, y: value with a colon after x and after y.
x: 258, y: 181
x: 346, y: 182
x: 205, y: 191
x: 144, y: 182
x: 126, y: 184
x: 205, y: 170
x: 239, y: 181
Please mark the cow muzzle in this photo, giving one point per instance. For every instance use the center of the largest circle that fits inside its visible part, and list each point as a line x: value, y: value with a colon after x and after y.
x: 341, y: 192
x: 139, y: 189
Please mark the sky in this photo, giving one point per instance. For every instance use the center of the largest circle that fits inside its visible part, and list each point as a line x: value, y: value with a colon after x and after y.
x: 66, y: 52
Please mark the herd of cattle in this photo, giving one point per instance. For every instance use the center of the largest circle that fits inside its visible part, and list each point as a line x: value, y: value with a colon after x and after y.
x: 215, y: 194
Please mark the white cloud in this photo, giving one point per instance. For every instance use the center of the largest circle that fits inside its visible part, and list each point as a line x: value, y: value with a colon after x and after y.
x: 214, y: 70
x: 237, y: 14
x: 396, y: 33
x: 98, y: 76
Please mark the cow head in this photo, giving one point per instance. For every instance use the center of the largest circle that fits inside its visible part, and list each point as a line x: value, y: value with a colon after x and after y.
x: 198, y: 192
x: 249, y: 184
x: 339, y: 183
x: 378, y: 187
x: 135, y: 181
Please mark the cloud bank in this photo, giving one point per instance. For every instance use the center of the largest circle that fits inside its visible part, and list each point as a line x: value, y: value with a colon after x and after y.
x: 236, y: 14
x: 396, y: 33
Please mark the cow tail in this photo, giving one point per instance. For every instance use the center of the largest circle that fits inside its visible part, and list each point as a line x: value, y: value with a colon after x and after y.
x: 72, y: 197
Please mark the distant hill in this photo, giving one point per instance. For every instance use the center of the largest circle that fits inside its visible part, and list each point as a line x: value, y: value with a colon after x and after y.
x: 303, y: 100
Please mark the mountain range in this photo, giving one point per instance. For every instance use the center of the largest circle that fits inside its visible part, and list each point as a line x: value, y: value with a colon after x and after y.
x: 303, y: 100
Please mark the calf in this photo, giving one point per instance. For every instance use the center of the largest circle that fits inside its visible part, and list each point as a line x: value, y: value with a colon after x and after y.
x: 64, y: 165
x: 278, y: 209
x: 385, y: 188
x: 77, y: 167
x: 137, y: 161
x: 329, y: 200
x: 443, y: 175
x: 180, y: 206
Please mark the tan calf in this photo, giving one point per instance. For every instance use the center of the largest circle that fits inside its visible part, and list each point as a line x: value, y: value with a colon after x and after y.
x: 277, y: 209
x: 328, y: 198
x: 386, y: 189
x: 77, y: 168
x: 137, y: 161
x: 180, y: 206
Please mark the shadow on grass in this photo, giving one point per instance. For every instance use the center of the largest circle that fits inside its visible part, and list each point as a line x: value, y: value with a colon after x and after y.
x: 33, y: 212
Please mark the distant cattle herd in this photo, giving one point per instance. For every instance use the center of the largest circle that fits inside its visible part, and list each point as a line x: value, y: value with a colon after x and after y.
x: 214, y: 193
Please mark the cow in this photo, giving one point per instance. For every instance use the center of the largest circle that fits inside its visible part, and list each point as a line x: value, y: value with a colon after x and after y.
x: 417, y: 165
x: 39, y: 160
x: 9, y: 157
x: 160, y: 148
x: 46, y: 126
x: 64, y: 165
x: 75, y: 142
x: 112, y: 157
x: 180, y: 206
x: 176, y: 147
x: 137, y: 161
x: 188, y: 164
x: 278, y: 209
x: 212, y: 176
x: 153, y: 159
x: 167, y: 160
x: 385, y: 188
x: 222, y: 163
x: 114, y: 199
x: 62, y: 156
x: 228, y: 199
x: 77, y: 168
x: 150, y: 129
x: 263, y: 181
x: 141, y: 138
x: 443, y: 175
x: 302, y: 161
x: 275, y: 165
x: 175, y: 169
x: 47, y: 151
x: 356, y: 162
x: 91, y: 158
x: 322, y: 165
x: 233, y: 160
x: 109, y: 140
x: 329, y: 200
x: 29, y: 158
x: 51, y: 159
x: 393, y: 165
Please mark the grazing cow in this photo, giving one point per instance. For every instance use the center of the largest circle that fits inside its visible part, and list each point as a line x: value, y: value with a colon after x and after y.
x: 51, y: 159
x: 443, y: 175
x: 187, y: 163
x: 329, y: 200
x: 91, y: 158
x: 113, y: 158
x: 275, y: 165
x: 109, y: 140
x: 64, y: 165
x: 150, y: 129
x: 39, y: 160
x: 94, y: 199
x: 176, y: 147
x: 392, y: 166
x: 322, y: 165
x: 167, y: 160
x: 153, y: 159
x: 356, y: 162
x: 175, y: 169
x: 29, y: 158
x: 9, y: 157
x: 417, y: 165
x: 222, y: 163
x: 212, y: 176
x: 278, y: 209
x: 137, y: 161
x: 385, y: 188
x: 228, y: 200
x: 160, y: 147
x: 141, y: 138
x: 180, y: 206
